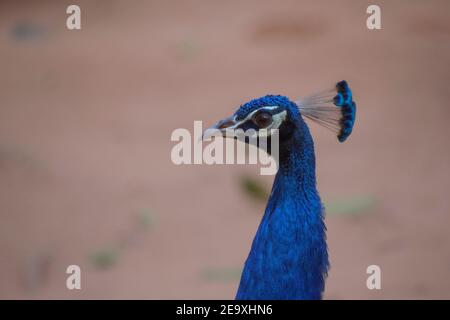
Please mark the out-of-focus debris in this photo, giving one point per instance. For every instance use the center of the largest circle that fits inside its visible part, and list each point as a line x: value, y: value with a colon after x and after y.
x: 36, y: 270
x: 24, y: 31
x: 145, y: 219
x: 351, y: 206
x: 187, y: 49
x: 17, y: 154
x: 254, y: 188
x: 221, y: 274
x: 104, y: 259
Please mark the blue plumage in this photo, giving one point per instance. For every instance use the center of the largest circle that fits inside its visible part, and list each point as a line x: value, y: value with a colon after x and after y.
x: 288, y: 258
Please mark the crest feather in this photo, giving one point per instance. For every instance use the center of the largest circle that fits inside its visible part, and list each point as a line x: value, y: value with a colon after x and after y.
x: 333, y: 109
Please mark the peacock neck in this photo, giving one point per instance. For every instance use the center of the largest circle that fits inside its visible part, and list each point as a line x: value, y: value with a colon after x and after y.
x: 288, y: 258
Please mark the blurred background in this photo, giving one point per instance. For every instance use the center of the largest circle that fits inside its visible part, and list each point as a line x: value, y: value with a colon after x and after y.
x: 85, y: 124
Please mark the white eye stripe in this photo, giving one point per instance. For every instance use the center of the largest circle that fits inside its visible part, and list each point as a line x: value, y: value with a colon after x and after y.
x: 250, y: 115
x: 277, y: 120
x: 268, y: 108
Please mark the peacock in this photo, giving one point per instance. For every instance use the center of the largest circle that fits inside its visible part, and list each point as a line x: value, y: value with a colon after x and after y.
x: 289, y: 256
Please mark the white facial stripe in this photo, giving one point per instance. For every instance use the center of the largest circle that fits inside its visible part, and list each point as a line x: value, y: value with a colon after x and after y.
x: 268, y: 108
x: 250, y: 115
x: 277, y: 120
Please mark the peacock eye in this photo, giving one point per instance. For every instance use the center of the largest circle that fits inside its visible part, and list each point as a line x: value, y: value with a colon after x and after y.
x: 262, y: 119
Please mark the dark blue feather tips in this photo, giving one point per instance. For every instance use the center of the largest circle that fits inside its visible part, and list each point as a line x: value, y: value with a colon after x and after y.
x: 344, y: 100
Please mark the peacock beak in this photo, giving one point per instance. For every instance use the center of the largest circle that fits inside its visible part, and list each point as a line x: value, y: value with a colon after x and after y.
x: 219, y: 128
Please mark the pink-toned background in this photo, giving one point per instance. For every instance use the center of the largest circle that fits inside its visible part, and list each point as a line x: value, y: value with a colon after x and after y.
x: 85, y: 124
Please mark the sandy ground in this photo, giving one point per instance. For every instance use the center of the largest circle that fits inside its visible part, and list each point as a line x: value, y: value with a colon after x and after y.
x: 85, y: 124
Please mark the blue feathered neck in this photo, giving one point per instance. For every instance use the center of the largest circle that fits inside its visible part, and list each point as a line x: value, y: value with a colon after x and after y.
x: 288, y: 258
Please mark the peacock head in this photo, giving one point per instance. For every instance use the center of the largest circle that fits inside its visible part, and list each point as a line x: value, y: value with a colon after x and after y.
x: 259, y: 117
x: 333, y: 109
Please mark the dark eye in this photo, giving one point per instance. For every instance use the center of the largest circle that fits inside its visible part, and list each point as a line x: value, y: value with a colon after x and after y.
x: 262, y: 119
